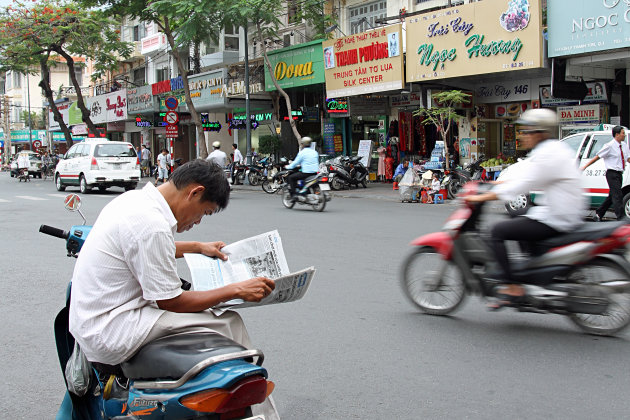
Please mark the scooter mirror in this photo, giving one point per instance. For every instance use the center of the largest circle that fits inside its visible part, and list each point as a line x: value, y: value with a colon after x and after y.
x: 72, y: 202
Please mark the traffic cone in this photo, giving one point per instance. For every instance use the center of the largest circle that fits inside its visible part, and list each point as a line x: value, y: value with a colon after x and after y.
x: 395, y: 185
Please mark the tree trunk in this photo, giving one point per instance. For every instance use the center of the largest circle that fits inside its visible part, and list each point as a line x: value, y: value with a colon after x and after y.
x: 85, y: 113
x: 48, y: 93
x: 298, y: 136
x: 201, y: 140
x: 197, y: 57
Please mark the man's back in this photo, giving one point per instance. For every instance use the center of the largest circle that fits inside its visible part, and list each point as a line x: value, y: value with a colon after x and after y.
x: 219, y: 157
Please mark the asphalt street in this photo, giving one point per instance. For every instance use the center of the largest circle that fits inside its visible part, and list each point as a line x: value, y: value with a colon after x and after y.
x: 353, y: 348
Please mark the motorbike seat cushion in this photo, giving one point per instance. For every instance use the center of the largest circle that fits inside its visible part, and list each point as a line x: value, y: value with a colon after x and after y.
x: 586, y: 232
x: 172, y: 356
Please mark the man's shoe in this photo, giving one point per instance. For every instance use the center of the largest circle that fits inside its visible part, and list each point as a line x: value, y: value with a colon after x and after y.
x: 596, y: 218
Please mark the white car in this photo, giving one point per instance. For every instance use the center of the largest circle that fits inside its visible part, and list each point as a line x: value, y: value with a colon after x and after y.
x: 98, y: 163
x: 586, y: 145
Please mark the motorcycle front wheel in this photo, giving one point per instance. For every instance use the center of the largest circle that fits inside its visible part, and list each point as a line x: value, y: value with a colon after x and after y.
x: 611, y: 277
x: 454, y: 185
x: 435, y: 285
x: 286, y: 199
x: 270, y: 187
x: 336, y: 184
x: 253, y: 178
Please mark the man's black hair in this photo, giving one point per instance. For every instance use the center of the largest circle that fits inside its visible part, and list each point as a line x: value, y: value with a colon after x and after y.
x: 235, y: 146
x: 209, y: 175
x: 616, y: 130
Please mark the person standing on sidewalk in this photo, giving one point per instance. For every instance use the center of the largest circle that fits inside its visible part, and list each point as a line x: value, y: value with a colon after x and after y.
x: 616, y: 155
x: 236, y: 160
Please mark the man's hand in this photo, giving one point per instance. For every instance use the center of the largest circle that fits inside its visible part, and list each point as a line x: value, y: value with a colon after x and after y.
x: 254, y: 290
x: 213, y: 249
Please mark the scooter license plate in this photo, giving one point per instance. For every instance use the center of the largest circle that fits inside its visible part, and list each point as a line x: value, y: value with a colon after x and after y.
x: 324, y: 187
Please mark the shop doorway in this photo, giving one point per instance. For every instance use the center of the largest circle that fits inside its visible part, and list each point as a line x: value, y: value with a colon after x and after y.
x: 490, y: 137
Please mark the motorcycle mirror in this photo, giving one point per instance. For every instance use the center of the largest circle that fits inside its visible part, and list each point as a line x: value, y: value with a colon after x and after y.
x: 72, y: 202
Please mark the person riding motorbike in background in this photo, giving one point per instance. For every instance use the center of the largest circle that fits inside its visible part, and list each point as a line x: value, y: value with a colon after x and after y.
x: 308, y: 159
x: 550, y: 167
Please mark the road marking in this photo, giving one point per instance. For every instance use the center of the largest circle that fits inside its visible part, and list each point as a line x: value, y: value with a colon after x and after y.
x: 28, y: 197
x: 4, y: 201
x: 57, y: 195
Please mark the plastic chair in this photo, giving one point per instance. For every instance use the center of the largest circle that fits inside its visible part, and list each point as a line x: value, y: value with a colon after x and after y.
x: 438, y: 199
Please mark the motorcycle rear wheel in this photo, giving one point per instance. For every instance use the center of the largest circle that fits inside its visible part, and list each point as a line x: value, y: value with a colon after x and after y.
x: 454, y: 185
x: 321, y: 199
x: 253, y: 178
x: 435, y: 285
x: 270, y: 187
x: 617, y: 316
x: 336, y: 184
x: 286, y: 199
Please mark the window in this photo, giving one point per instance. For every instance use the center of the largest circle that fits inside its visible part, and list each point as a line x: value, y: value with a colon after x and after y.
x: 162, y: 74
x: 286, y: 41
x: 16, y: 111
x: 574, y: 141
x: 78, y: 73
x: 17, y: 80
x: 230, y: 37
x: 292, y: 11
x: 109, y: 150
x: 138, y: 32
x: 209, y: 46
x: 597, y: 143
x: 363, y: 18
x: 139, y: 76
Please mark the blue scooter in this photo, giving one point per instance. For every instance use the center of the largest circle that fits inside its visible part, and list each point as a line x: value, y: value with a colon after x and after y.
x: 184, y: 376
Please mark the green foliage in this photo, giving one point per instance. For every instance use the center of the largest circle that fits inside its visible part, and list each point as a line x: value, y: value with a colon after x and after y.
x: 54, y: 27
x: 268, y: 145
x: 37, y: 120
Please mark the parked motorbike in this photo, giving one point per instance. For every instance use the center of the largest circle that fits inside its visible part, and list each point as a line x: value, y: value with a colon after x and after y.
x: 275, y: 176
x: 347, y: 171
x: 458, y: 177
x: 583, y: 274
x: 312, y: 191
x: 256, y: 171
x: 184, y: 376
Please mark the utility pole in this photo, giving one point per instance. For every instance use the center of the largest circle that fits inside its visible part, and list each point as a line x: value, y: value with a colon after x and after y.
x: 7, y: 129
x: 248, y: 117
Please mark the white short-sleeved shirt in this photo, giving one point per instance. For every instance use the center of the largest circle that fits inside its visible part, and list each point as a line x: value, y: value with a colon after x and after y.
x: 611, y: 154
x: 126, y: 264
x: 163, y: 161
x: 550, y: 167
x: 219, y: 157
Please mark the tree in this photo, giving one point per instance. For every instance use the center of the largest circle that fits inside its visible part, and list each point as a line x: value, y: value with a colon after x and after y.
x: 185, y: 23
x: 443, y: 115
x: 38, y: 121
x: 264, y: 16
x: 37, y: 37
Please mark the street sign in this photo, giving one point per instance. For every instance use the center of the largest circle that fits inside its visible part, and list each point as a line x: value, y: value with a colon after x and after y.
x: 172, y: 131
x: 171, y: 117
x: 171, y: 102
x: 37, y: 144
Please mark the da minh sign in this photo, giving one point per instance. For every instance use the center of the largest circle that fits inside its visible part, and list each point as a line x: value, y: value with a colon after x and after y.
x: 477, y: 38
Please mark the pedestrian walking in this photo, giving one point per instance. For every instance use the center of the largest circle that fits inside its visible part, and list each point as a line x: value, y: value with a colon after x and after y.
x: 162, y: 164
x: 146, y: 160
x: 616, y: 155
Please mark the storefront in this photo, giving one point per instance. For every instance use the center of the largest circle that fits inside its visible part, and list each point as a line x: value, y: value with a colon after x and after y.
x: 299, y: 71
x: 490, y: 48
x: 362, y: 70
x: 592, y: 37
x: 141, y: 106
x: 109, y: 113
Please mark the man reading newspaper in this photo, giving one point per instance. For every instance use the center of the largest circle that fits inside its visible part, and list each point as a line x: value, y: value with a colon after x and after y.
x: 126, y: 291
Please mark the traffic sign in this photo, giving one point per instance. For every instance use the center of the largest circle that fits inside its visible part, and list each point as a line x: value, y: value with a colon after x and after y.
x: 171, y: 117
x: 171, y: 102
x: 37, y: 144
x: 172, y: 131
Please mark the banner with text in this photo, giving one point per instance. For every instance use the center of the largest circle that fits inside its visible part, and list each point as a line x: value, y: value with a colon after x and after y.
x: 477, y: 38
x: 368, y: 62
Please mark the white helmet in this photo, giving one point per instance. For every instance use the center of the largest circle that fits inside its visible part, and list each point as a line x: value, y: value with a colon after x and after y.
x: 306, y: 141
x: 216, y: 144
x: 539, y: 119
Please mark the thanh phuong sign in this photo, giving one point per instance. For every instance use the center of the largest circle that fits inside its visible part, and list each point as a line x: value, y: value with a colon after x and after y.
x: 368, y: 62
x: 586, y: 26
x: 296, y: 66
x: 477, y: 38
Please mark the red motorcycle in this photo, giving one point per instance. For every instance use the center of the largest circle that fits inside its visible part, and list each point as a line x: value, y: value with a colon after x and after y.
x: 583, y: 274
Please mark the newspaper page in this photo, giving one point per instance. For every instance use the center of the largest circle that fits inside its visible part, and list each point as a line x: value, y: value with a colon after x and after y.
x: 260, y: 255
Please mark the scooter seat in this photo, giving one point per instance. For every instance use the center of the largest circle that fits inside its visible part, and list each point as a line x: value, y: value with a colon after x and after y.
x: 172, y: 356
x: 586, y: 232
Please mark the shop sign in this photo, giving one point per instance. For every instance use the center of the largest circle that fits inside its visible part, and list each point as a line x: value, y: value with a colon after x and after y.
x: 310, y: 114
x: 172, y: 131
x: 207, y: 90
x: 109, y: 107
x: 519, y: 90
x: 140, y: 99
x: 152, y: 43
x: 364, y: 63
x: 329, y: 142
x: 301, y: 65
x: 209, y: 125
x: 406, y: 99
x: 597, y: 93
x: 337, y: 105
x: 64, y: 110
x: 166, y: 86
x: 238, y: 88
x: 586, y: 26
x: 476, y: 38
x: 369, y: 106
x: 258, y: 116
x: 511, y: 110
x: 581, y: 114
x: 240, y: 124
x: 79, y: 130
x: 142, y: 122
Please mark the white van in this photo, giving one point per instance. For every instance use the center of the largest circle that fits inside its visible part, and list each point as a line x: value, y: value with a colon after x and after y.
x: 99, y: 163
x: 586, y: 145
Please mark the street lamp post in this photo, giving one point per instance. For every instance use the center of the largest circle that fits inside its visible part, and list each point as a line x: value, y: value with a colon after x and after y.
x: 248, y: 128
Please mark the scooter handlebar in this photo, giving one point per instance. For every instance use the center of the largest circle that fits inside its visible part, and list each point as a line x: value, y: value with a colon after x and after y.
x: 53, y: 231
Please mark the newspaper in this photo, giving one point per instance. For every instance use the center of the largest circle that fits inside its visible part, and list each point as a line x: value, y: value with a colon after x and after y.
x: 258, y: 256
